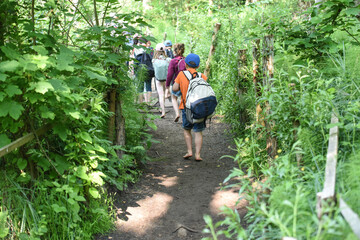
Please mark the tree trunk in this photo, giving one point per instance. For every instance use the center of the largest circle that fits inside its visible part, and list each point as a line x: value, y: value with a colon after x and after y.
x: 268, y: 75
x: 212, y: 49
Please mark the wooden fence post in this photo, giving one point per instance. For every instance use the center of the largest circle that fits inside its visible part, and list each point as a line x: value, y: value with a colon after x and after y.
x: 212, y: 49
x: 241, y: 88
x: 328, y: 191
x: 256, y: 57
x: 120, y: 125
x: 268, y: 75
x: 112, y: 108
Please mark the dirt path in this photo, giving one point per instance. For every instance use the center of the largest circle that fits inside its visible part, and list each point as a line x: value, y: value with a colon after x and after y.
x: 173, y: 194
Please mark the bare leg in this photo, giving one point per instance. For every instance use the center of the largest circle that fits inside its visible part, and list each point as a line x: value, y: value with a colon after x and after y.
x: 198, y: 145
x: 188, y: 141
x: 160, y: 85
x: 175, y: 106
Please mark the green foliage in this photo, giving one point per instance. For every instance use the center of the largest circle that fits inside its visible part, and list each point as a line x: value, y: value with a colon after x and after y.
x: 58, y: 71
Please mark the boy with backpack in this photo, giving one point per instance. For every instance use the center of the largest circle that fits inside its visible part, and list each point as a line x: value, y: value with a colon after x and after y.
x: 185, y: 82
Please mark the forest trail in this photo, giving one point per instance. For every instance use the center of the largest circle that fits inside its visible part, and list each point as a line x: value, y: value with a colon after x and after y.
x: 173, y: 194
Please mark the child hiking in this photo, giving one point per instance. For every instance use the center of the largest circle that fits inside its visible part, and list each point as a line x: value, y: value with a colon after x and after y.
x: 182, y: 83
x: 161, y: 64
x: 176, y: 65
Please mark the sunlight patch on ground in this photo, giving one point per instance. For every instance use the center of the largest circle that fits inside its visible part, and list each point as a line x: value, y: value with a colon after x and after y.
x: 227, y: 198
x: 167, y: 181
x: 144, y: 217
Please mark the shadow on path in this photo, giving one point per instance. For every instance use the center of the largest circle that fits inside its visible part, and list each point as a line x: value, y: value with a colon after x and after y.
x: 173, y: 194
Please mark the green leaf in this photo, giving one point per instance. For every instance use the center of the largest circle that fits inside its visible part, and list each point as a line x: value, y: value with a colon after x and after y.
x: 2, y: 96
x: 81, y: 173
x: 12, y: 90
x: 3, y: 77
x: 94, y: 192
x: 86, y: 137
x: 21, y: 163
x: 93, y: 75
x: 79, y: 198
x: 10, y: 53
x: 4, y: 109
x: 75, y: 115
x: 15, y: 109
x: 9, y: 66
x: 60, y: 131
x: 40, y: 49
x: 315, y: 20
x: 46, y: 113
x: 4, y: 140
x: 352, y: 11
x: 99, y: 149
x: 57, y: 208
x: 4, y: 229
x: 43, y: 87
x: 96, y: 177
x: 331, y: 125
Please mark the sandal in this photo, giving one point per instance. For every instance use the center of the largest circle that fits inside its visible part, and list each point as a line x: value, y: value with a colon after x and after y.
x: 177, y: 119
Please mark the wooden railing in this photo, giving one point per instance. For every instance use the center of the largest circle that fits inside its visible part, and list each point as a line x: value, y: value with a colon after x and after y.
x: 328, y: 193
x: 23, y: 140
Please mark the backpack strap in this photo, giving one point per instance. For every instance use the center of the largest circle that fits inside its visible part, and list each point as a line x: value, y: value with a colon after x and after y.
x: 188, y: 75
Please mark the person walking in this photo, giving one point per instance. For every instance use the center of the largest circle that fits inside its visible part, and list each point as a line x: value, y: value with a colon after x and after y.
x: 192, y: 62
x: 144, y: 70
x: 161, y: 64
x: 176, y: 65
x: 168, y: 46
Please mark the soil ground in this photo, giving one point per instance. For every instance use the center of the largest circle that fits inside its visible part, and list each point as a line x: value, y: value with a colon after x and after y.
x: 173, y: 194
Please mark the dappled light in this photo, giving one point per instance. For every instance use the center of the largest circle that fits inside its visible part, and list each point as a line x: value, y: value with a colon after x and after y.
x: 144, y: 217
x: 229, y: 198
x: 167, y: 181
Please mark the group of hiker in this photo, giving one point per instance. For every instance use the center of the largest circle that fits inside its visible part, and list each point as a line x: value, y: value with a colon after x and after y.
x: 172, y: 72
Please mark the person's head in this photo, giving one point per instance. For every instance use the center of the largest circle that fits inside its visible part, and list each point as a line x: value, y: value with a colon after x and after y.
x: 168, y: 44
x: 148, y: 43
x: 179, y: 49
x: 192, y: 60
x: 143, y: 41
x: 159, y: 51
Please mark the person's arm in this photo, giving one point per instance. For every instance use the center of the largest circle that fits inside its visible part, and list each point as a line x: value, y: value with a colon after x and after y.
x: 170, y: 73
x: 176, y: 87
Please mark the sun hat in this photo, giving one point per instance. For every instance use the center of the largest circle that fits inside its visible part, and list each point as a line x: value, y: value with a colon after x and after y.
x: 168, y: 43
x: 160, y: 47
x: 192, y: 60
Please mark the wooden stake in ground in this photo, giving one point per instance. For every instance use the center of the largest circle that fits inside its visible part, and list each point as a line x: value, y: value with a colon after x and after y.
x: 212, y: 49
x: 120, y: 125
x: 268, y: 75
x: 241, y: 88
x: 256, y: 73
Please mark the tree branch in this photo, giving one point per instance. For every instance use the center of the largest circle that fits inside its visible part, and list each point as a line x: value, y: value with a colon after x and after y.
x: 103, y: 19
x: 91, y: 25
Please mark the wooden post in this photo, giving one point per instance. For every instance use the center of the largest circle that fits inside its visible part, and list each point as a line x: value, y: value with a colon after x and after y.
x: 112, y: 108
x: 256, y: 57
x: 120, y: 125
x: 212, y: 49
x: 268, y: 74
x: 328, y: 191
x: 165, y: 35
x: 241, y: 88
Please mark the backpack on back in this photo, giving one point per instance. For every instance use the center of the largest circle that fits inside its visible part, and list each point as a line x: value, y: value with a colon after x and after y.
x: 161, y: 68
x: 200, y: 99
x: 145, y: 60
x: 180, y: 66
